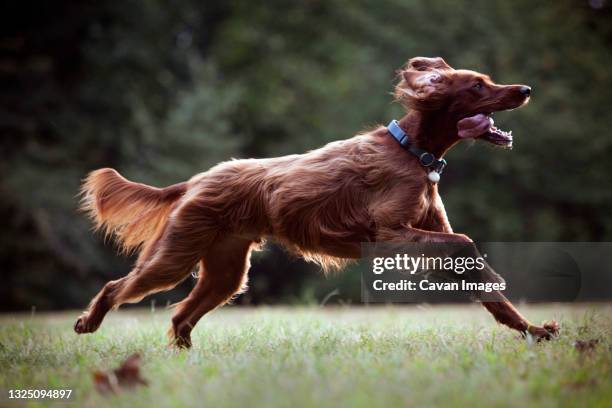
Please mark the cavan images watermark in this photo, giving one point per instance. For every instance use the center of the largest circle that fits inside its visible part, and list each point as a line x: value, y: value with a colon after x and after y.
x: 416, y: 264
x: 457, y: 272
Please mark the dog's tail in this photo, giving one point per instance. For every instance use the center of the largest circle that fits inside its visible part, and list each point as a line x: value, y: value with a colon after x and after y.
x: 134, y: 213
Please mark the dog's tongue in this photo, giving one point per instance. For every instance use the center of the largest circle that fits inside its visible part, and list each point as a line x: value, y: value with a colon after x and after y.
x: 474, y: 126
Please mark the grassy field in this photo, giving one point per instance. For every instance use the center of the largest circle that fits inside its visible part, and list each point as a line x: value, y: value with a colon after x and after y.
x: 290, y: 357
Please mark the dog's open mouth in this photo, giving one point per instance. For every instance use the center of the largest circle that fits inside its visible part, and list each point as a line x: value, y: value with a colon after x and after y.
x: 481, y: 126
x: 498, y: 136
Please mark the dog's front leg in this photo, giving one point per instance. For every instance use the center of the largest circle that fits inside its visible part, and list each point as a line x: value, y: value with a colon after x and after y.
x: 505, y: 313
x: 496, y: 303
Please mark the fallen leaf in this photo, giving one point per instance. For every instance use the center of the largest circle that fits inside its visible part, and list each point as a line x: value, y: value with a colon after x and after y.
x: 127, y: 375
x: 586, y: 346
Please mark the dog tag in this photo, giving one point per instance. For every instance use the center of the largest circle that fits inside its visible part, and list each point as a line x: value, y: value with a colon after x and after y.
x: 433, y: 176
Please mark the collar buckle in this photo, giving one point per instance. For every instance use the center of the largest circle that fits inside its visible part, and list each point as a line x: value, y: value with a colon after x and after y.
x: 425, y: 158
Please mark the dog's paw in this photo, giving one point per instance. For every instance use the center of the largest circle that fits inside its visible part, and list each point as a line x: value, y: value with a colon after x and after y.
x: 179, y: 339
x: 182, y: 343
x: 548, y: 331
x: 552, y: 327
x: 84, y: 324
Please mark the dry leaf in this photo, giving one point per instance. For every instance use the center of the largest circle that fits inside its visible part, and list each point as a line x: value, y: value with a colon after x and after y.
x: 586, y: 346
x: 126, y: 376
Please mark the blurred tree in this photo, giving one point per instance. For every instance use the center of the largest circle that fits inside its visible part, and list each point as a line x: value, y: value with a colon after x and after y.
x: 161, y: 91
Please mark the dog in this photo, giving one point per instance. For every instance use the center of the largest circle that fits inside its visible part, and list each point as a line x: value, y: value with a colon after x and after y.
x: 380, y: 185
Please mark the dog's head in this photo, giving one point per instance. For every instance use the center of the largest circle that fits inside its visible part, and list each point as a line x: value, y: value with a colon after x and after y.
x: 465, y: 97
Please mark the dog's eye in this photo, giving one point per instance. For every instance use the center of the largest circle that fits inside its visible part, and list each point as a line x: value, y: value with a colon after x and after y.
x: 478, y: 85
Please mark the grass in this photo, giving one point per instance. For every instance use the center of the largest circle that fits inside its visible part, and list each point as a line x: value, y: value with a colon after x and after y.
x: 292, y: 357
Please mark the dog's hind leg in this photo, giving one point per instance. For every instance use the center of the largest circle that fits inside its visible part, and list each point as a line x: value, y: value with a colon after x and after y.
x: 99, y: 306
x: 223, y: 273
x: 170, y: 262
x: 162, y: 271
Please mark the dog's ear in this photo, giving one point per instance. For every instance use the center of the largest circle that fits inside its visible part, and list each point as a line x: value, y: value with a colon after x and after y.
x: 425, y: 63
x: 422, y: 90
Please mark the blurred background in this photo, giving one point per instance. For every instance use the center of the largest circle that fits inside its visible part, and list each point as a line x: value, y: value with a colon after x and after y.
x: 161, y: 90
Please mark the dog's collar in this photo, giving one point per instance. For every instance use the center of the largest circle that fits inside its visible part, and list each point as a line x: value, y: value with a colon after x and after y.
x: 427, y: 160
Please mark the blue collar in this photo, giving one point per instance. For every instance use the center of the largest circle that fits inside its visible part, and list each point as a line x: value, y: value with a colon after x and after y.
x: 398, y: 133
x: 426, y: 159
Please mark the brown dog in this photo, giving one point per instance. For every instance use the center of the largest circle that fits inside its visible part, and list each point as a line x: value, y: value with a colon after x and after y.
x: 321, y: 204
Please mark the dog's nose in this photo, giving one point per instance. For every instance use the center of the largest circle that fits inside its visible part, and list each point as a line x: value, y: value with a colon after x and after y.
x: 525, y: 90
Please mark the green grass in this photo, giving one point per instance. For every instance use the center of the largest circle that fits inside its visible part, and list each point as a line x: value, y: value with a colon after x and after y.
x: 290, y: 357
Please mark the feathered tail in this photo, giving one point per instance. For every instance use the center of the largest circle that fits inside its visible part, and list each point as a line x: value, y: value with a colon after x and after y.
x: 132, y: 212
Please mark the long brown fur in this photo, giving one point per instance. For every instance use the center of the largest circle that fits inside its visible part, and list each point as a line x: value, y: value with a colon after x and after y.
x: 134, y: 213
x: 321, y: 205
